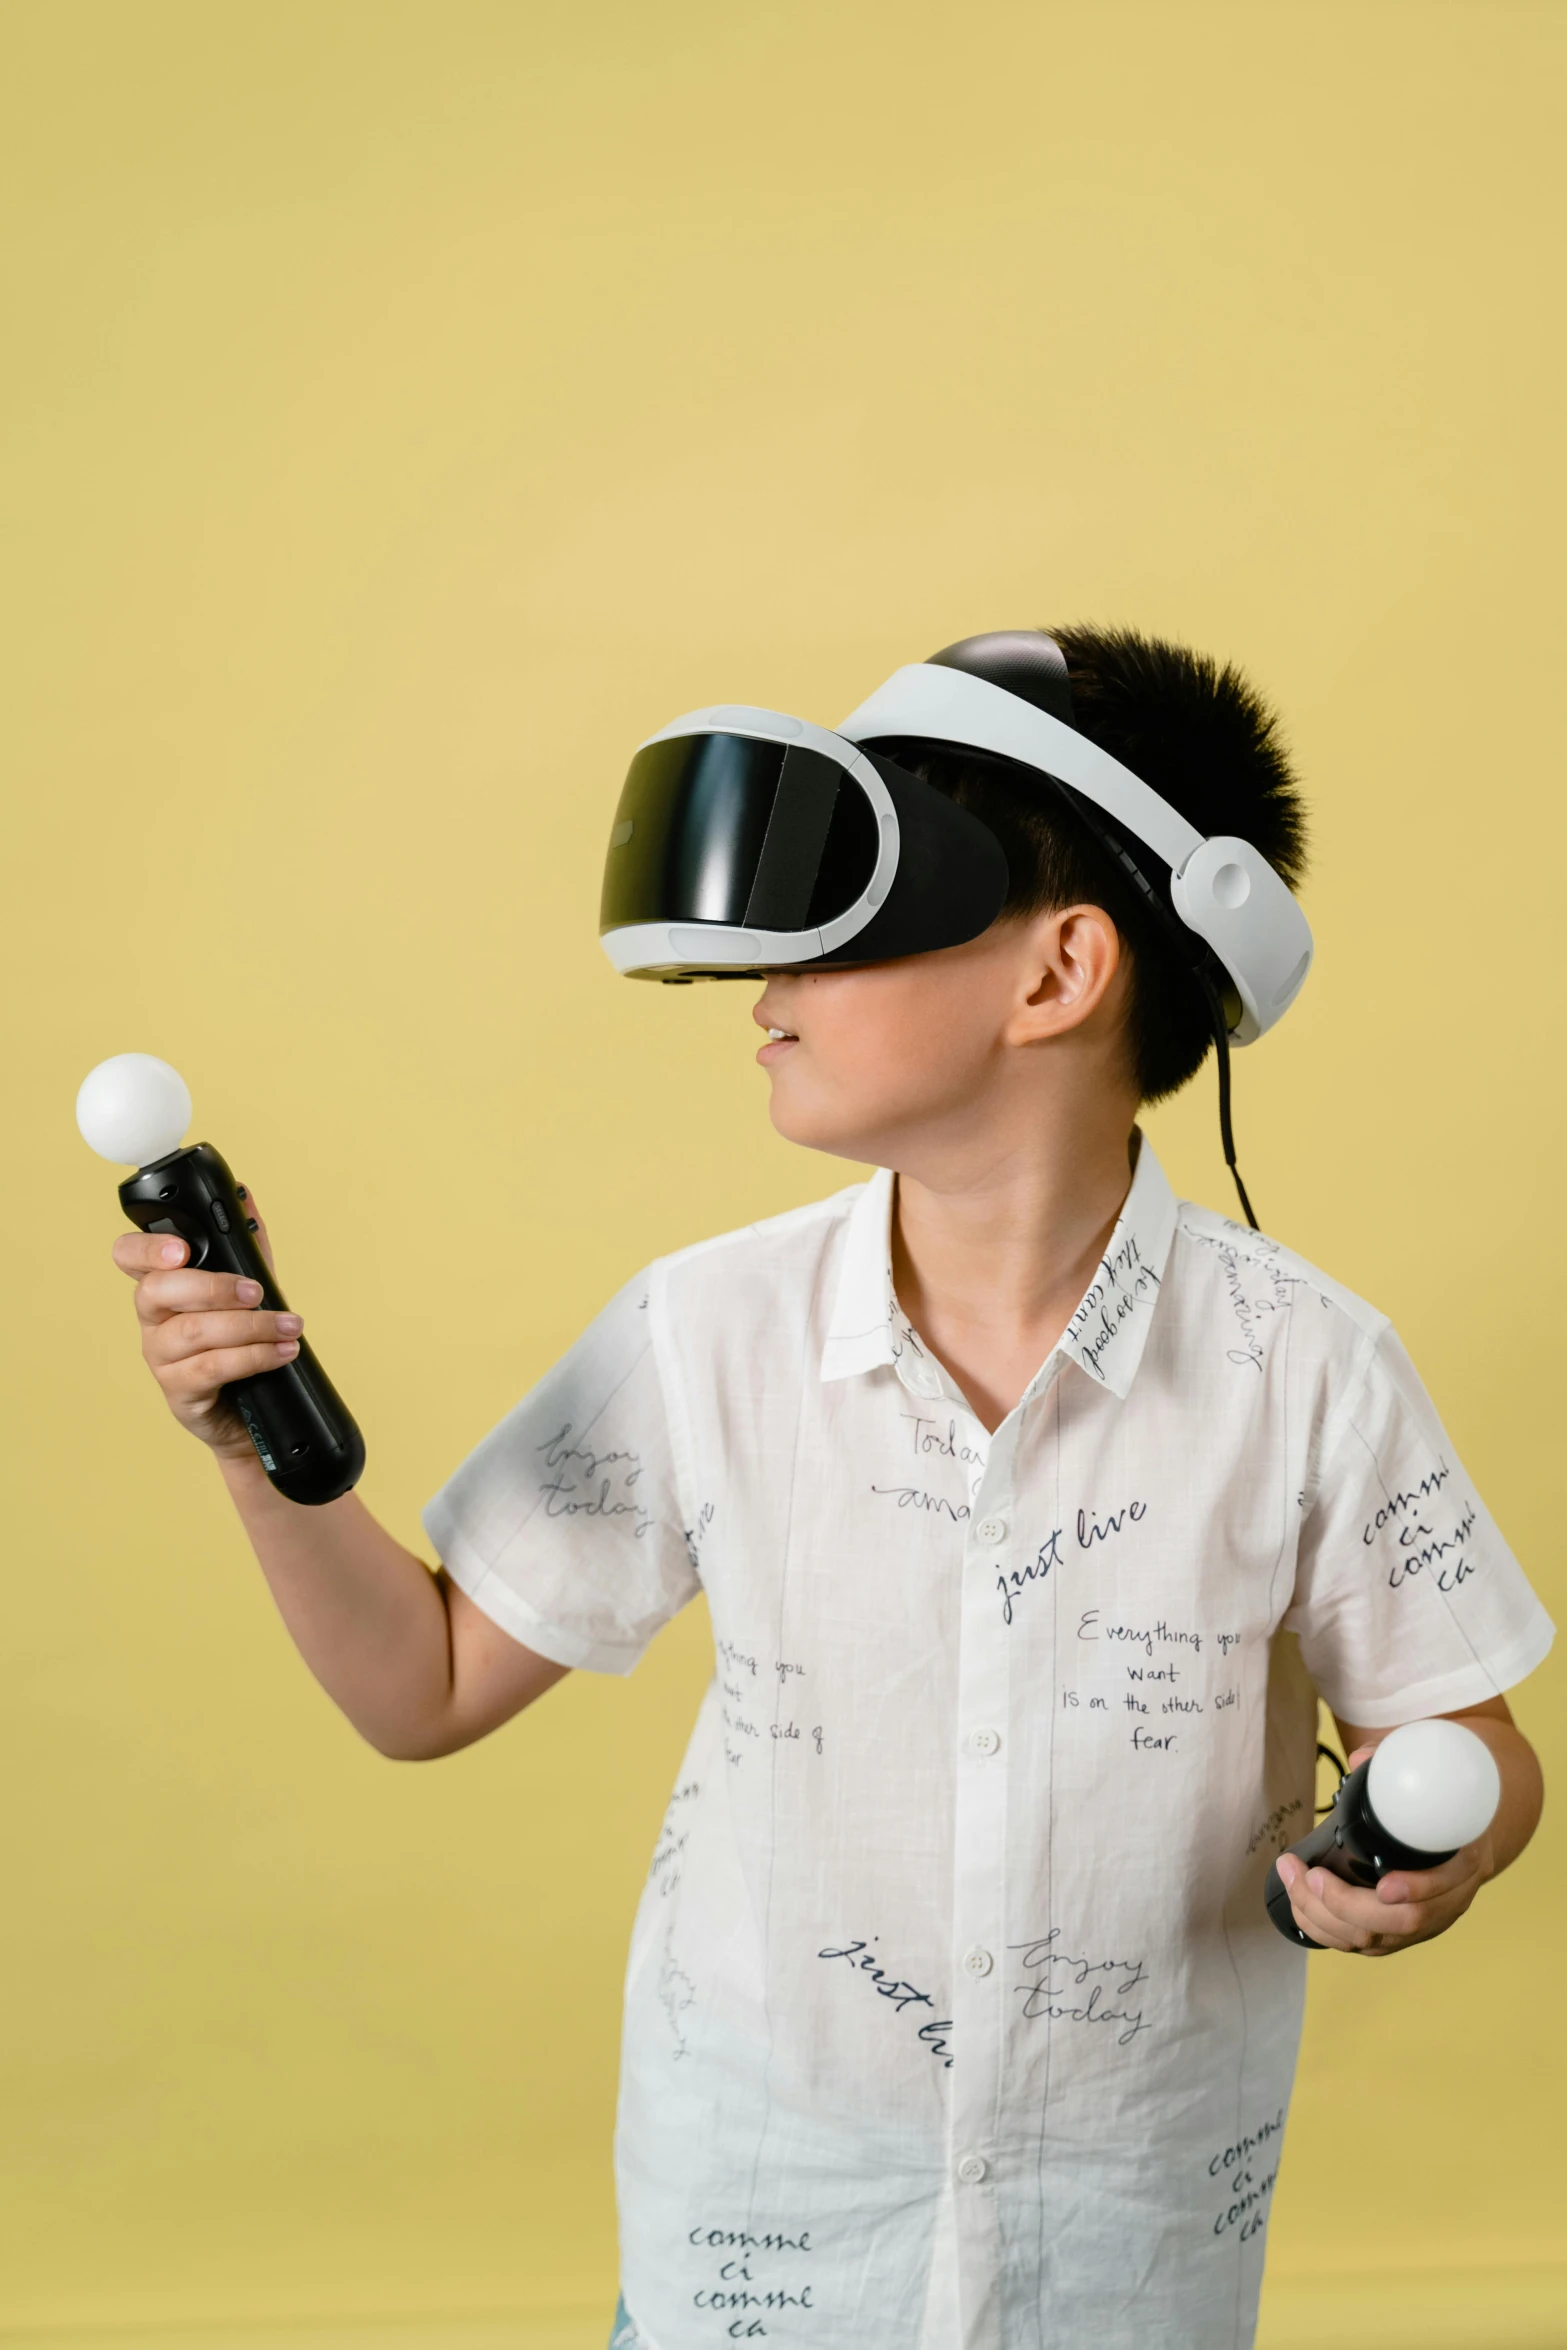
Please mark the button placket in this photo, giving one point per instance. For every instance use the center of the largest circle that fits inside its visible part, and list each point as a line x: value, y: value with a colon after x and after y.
x: 979, y: 1849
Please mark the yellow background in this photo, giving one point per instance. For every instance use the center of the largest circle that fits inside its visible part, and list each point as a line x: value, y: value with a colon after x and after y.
x: 409, y: 404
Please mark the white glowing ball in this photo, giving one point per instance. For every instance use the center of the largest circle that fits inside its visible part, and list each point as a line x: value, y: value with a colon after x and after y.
x: 1434, y: 1785
x: 133, y: 1109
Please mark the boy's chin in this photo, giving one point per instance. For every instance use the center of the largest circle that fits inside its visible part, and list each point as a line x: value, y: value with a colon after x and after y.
x: 813, y: 1125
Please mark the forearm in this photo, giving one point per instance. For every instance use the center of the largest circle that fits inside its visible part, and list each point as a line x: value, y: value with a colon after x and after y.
x: 369, y: 1618
x: 416, y: 1667
x: 1523, y: 1787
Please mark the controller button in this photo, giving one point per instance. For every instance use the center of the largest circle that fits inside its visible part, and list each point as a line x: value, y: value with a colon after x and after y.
x: 220, y: 1214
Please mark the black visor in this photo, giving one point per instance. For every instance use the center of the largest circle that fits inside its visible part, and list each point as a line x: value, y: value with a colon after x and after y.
x: 723, y: 828
x: 735, y: 852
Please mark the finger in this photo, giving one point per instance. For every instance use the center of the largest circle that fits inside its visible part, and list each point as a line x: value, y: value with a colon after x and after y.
x: 1326, y: 1908
x: 1319, y: 1923
x: 141, y: 1252
x: 201, y: 1374
x: 1430, y: 1884
x: 184, y: 1335
x: 1417, y: 1921
x: 1403, y: 1923
x: 1360, y: 1755
x: 1362, y: 1921
x: 1355, y: 1918
x: 159, y: 1295
x: 1310, y: 1913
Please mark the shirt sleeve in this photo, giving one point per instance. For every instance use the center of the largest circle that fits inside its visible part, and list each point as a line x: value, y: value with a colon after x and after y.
x: 565, y: 1525
x: 1407, y: 1601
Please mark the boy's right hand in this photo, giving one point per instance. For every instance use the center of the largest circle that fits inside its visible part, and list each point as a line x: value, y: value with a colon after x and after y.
x: 200, y: 1330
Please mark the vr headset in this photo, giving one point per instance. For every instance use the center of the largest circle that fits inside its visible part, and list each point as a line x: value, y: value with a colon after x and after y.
x: 746, y: 841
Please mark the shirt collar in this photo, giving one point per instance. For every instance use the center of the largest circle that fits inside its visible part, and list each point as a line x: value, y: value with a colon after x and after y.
x: 1105, y: 1337
x: 859, y: 1337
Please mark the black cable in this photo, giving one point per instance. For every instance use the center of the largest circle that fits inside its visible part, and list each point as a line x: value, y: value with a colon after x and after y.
x: 1157, y: 903
x: 1342, y: 1768
x: 1221, y: 1038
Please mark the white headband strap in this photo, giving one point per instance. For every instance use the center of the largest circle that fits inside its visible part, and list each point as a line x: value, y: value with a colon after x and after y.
x: 949, y: 705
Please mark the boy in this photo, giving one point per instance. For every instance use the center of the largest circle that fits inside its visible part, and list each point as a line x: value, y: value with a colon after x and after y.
x: 1033, y: 1509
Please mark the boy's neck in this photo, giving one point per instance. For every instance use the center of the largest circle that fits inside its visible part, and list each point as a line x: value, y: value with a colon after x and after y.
x: 990, y: 1258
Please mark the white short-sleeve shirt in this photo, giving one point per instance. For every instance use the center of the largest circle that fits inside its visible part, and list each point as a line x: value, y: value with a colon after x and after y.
x: 953, y: 2015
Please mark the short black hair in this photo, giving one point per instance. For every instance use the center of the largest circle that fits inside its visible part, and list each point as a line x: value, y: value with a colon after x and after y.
x: 1202, y: 736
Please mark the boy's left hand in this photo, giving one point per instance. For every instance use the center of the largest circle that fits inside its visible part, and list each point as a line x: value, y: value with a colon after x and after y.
x: 1408, y: 1905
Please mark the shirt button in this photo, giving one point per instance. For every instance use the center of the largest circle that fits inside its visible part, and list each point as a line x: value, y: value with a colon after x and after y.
x: 972, y: 2169
x: 992, y: 1529
x: 977, y: 1961
x: 984, y: 1741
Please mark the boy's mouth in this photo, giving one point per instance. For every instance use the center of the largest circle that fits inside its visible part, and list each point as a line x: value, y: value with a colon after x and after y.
x: 779, y: 1041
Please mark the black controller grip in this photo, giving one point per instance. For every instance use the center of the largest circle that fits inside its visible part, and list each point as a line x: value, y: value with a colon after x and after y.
x: 303, y: 1432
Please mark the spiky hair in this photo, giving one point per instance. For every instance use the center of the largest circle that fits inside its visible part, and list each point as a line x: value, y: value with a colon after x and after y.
x: 1202, y: 736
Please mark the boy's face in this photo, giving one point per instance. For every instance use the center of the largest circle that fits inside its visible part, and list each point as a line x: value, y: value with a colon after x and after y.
x: 881, y: 1059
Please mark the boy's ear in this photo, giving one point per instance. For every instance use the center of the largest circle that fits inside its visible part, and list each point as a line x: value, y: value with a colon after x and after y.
x: 1070, y: 963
